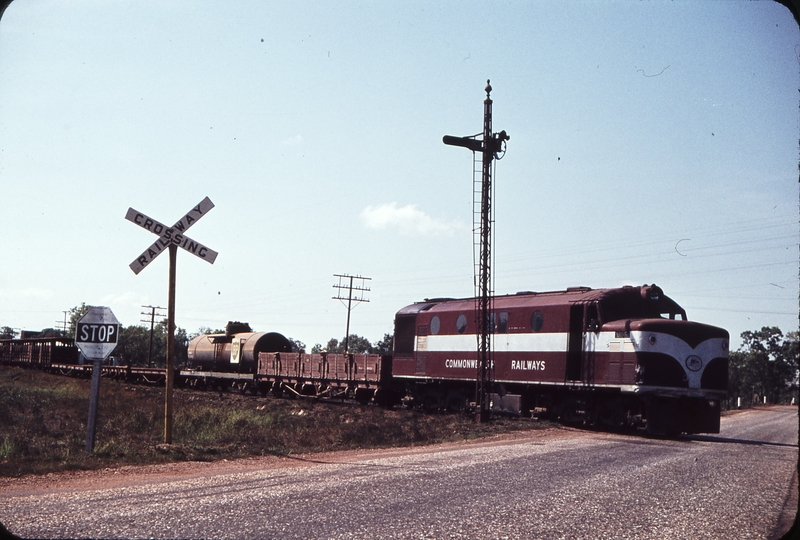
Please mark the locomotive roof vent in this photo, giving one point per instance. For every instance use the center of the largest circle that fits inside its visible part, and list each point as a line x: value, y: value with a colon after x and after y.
x: 443, y: 299
x: 578, y: 289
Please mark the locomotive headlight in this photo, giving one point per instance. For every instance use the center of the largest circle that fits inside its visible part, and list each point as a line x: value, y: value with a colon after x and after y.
x: 724, y: 345
x: 652, y: 339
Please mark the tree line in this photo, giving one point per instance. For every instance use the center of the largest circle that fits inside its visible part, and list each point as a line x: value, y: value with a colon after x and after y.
x: 138, y: 346
x: 764, y: 369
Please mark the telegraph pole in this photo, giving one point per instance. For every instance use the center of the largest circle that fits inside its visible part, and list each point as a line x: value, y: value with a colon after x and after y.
x: 152, y: 324
x: 63, y: 326
x: 489, y: 147
x: 360, y: 290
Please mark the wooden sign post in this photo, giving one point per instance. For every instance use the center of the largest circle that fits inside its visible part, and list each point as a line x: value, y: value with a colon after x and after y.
x: 171, y: 238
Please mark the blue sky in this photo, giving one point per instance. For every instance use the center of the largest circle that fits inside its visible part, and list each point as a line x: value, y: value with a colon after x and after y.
x: 651, y: 142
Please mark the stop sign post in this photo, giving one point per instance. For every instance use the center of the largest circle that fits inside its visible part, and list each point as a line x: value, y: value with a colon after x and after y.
x: 96, y: 336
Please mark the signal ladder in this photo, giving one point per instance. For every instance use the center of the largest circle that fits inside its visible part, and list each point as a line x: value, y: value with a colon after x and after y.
x: 477, y: 200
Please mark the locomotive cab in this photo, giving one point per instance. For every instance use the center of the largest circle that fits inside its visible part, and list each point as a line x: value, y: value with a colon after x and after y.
x: 678, y: 369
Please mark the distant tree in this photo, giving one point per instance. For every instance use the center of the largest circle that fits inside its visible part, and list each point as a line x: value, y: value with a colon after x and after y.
x: 6, y: 332
x: 204, y: 330
x: 133, y: 345
x: 355, y: 344
x: 333, y: 346
x: 75, y: 314
x: 358, y: 344
x: 297, y: 345
x: 51, y: 332
x: 765, y: 365
x: 181, y: 347
x: 386, y: 345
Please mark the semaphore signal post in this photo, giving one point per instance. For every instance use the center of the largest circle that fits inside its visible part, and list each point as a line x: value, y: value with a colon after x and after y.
x: 489, y: 147
x: 170, y: 239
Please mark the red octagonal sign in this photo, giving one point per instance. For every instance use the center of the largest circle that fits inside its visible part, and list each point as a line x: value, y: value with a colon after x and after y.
x: 96, y: 333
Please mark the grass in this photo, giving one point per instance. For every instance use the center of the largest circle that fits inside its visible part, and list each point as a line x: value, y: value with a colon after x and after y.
x: 43, y: 425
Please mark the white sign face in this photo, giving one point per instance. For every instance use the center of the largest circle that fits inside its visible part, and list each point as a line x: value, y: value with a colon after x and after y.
x: 96, y: 333
x: 171, y: 235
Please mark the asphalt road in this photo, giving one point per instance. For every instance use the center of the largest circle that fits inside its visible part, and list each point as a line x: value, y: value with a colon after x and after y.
x: 558, y: 483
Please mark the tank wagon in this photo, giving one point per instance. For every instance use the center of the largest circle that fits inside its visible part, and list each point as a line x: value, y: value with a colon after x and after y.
x: 236, y: 350
x: 623, y: 356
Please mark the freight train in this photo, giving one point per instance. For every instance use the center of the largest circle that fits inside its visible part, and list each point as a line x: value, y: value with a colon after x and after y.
x: 624, y: 357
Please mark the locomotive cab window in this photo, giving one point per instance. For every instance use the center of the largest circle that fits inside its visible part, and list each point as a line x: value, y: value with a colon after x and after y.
x: 404, y: 328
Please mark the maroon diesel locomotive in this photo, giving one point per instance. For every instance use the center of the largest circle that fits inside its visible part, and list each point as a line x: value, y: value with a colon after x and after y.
x: 624, y: 356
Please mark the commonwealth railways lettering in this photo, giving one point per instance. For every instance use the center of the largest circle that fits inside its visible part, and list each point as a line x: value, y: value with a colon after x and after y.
x: 462, y: 363
x: 527, y: 365
x: 517, y: 365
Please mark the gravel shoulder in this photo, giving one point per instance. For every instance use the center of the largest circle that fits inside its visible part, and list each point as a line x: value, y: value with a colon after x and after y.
x: 168, y: 472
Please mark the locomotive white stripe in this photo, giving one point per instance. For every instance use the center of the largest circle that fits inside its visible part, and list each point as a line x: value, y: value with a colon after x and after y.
x: 555, y: 342
x: 530, y: 342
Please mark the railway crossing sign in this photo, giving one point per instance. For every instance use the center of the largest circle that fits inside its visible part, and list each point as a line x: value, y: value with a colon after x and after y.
x: 96, y: 333
x: 172, y: 238
x: 171, y: 235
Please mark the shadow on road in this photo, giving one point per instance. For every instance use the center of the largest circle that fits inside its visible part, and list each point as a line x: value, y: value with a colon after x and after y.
x: 716, y: 438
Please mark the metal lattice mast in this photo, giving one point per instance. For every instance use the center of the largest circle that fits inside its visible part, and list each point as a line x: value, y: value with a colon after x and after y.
x: 483, y: 300
x: 489, y: 146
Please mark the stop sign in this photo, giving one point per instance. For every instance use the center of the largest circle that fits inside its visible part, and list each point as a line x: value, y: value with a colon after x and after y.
x: 96, y: 333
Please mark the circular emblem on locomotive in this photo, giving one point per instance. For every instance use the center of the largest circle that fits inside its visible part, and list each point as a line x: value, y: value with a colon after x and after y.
x: 694, y: 363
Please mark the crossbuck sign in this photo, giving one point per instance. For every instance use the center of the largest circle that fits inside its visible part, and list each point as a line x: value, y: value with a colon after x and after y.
x: 171, y: 238
x: 171, y: 235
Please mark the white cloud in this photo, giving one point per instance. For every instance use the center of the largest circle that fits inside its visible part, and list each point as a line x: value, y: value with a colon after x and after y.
x: 409, y: 220
x: 28, y: 293
x: 293, y: 141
